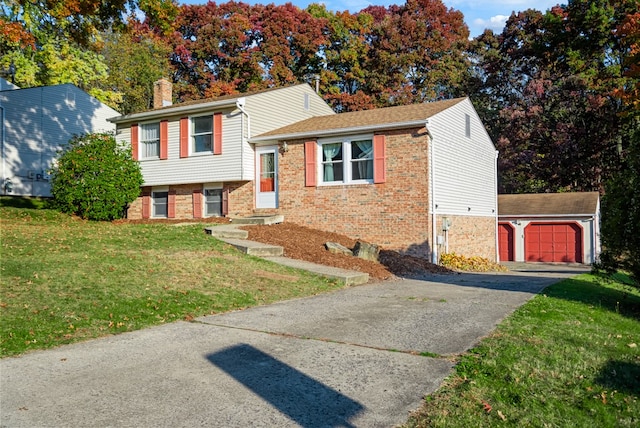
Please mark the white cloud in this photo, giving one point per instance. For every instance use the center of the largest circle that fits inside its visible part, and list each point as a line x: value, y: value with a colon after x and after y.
x: 495, y: 23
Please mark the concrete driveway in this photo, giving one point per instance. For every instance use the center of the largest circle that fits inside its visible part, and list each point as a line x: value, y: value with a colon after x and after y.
x: 344, y: 359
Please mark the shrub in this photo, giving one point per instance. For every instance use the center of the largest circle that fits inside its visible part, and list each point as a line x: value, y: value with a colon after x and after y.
x: 95, y: 178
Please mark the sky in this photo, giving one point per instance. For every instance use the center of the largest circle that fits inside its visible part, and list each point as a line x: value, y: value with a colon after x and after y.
x: 478, y: 14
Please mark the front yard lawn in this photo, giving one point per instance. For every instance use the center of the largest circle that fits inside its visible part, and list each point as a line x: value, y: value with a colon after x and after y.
x: 64, y: 279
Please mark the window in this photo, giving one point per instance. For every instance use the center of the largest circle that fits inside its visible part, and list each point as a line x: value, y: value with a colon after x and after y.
x: 160, y: 204
x: 212, y: 202
x: 349, y: 161
x: 150, y: 140
x: 202, y: 134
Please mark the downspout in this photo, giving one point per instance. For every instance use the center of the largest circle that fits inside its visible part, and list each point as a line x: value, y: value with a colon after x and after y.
x: 432, y: 178
x: 240, y: 102
x: 495, y: 188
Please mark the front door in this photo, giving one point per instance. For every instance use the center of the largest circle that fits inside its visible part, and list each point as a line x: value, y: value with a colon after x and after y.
x: 267, y: 177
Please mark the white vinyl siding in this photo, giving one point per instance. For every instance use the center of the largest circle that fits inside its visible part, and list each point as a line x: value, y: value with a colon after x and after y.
x: 465, y: 167
x: 198, y: 167
x: 40, y: 121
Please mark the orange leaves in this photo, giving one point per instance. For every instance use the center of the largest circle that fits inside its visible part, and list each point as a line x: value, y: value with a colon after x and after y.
x: 473, y: 264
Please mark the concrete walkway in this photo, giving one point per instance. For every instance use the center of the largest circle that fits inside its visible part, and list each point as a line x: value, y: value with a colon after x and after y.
x: 349, y: 358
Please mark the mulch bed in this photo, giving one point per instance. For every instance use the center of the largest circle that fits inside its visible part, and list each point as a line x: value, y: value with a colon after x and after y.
x: 307, y: 244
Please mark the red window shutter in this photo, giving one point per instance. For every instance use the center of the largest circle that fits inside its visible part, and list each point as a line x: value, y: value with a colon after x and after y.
x: 217, y: 134
x: 135, y: 141
x: 225, y: 202
x: 379, y: 159
x: 146, y: 205
x: 171, y: 208
x: 310, y: 164
x: 197, y: 203
x: 184, y: 137
x: 164, y: 139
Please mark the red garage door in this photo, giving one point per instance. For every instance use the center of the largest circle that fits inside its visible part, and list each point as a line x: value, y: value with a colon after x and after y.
x: 553, y: 242
x: 505, y: 242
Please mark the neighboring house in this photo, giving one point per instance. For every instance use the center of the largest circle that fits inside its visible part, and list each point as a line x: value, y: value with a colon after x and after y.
x: 549, y: 227
x: 36, y: 123
x: 396, y: 177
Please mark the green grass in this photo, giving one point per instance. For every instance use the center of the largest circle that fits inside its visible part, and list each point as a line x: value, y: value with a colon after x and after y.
x: 64, y: 280
x: 568, y: 358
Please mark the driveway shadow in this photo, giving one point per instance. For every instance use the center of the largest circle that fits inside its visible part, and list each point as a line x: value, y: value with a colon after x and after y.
x: 303, y: 399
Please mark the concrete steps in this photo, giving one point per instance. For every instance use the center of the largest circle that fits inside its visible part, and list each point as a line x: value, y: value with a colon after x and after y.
x: 226, y: 231
x: 259, y: 219
x: 252, y: 248
x: 230, y: 234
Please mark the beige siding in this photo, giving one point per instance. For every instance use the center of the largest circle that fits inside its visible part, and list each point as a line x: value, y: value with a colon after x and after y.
x: 37, y: 123
x: 197, y: 168
x: 274, y: 109
x: 464, y: 168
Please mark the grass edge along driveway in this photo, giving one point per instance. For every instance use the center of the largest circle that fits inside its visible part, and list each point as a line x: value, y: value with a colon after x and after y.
x: 570, y: 357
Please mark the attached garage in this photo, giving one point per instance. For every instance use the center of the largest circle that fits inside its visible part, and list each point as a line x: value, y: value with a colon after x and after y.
x: 553, y: 242
x: 549, y: 227
x: 506, y: 242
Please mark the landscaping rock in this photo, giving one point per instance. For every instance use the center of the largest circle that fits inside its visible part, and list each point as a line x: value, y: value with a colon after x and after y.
x: 366, y: 251
x: 336, y: 248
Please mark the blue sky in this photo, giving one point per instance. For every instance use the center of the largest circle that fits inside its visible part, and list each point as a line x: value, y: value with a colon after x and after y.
x: 478, y: 14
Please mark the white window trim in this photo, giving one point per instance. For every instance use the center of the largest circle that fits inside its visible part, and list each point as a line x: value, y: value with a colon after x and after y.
x: 192, y: 152
x: 346, y: 160
x: 141, y: 144
x: 205, y: 187
x: 159, y: 189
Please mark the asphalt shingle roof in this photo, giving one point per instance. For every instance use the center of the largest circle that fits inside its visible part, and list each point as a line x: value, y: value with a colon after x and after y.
x: 377, y: 117
x: 584, y: 203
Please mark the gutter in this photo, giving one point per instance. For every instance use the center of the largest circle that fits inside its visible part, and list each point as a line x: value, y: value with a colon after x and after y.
x: 173, y: 110
x: 338, y: 131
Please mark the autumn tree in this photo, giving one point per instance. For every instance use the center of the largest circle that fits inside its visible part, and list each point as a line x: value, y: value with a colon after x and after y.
x: 548, y: 82
x: 417, y: 53
x: 58, y: 41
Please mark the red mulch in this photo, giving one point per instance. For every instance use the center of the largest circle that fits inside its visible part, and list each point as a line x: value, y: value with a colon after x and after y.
x: 304, y: 243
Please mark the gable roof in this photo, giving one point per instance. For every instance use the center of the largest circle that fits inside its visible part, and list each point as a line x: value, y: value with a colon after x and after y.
x: 548, y: 204
x: 358, y: 121
x: 200, y: 104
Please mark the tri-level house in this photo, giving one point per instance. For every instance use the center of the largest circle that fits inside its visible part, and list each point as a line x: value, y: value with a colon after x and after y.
x: 419, y: 179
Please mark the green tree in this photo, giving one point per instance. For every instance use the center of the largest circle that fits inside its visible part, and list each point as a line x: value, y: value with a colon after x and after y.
x: 135, y: 59
x: 621, y: 202
x: 95, y: 178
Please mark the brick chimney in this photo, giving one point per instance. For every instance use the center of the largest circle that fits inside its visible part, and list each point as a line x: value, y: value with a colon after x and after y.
x: 162, y: 93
